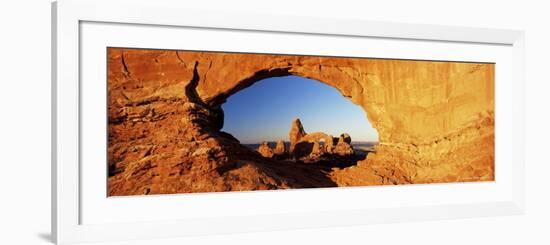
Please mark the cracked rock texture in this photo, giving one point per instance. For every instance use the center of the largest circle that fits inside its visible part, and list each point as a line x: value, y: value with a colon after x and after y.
x: 435, y: 121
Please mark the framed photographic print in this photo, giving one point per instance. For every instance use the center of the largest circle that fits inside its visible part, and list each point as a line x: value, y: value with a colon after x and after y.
x: 172, y: 125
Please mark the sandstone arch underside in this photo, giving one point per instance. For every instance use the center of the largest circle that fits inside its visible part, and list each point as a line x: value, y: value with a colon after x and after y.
x: 435, y: 120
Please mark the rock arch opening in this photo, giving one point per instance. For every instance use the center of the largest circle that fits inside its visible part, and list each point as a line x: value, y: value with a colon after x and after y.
x: 269, y: 115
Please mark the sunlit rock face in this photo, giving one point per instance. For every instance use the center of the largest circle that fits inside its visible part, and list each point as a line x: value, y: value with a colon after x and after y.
x: 435, y: 120
x: 265, y: 150
x: 328, y: 140
x: 314, y: 146
x: 296, y: 133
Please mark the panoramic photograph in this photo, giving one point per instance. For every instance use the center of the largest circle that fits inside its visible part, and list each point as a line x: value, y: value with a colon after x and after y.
x: 184, y: 121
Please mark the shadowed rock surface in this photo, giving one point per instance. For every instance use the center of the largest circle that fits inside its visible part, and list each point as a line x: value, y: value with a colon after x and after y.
x: 280, y: 151
x: 435, y: 121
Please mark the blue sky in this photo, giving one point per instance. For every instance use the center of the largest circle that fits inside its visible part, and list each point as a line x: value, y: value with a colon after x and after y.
x: 264, y: 111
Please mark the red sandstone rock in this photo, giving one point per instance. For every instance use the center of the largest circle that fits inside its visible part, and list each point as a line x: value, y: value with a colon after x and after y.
x: 343, y: 149
x: 435, y: 121
x: 308, y: 148
x: 265, y: 150
x: 345, y: 138
x: 280, y: 151
x: 319, y: 137
x: 296, y: 133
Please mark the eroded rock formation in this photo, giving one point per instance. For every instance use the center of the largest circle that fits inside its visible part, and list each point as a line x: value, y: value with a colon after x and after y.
x: 296, y: 133
x: 435, y: 120
x: 345, y: 138
x: 309, y: 148
x: 265, y: 150
x: 343, y: 147
x: 327, y: 140
x: 318, y: 146
x: 280, y: 150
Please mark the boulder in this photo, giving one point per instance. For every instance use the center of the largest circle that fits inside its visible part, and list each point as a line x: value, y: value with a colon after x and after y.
x: 265, y: 150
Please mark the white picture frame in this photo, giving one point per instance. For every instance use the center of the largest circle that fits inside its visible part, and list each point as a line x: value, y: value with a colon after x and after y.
x: 67, y: 198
